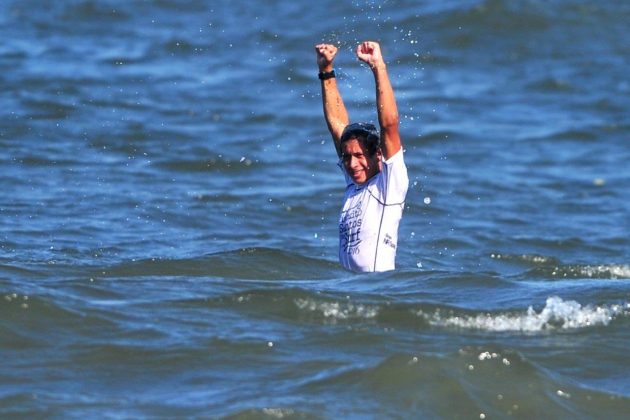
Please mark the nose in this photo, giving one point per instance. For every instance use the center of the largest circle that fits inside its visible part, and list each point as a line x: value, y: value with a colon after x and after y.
x: 353, y: 163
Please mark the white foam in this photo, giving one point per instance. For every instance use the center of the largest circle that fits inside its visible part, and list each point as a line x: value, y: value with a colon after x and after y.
x: 611, y: 271
x: 615, y: 271
x: 557, y: 314
x: 336, y: 310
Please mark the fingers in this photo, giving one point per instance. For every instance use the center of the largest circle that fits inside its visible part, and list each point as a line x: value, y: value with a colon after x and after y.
x: 366, y: 51
x: 367, y: 47
x: 364, y: 46
x: 370, y: 53
x: 326, y: 49
x: 325, y: 56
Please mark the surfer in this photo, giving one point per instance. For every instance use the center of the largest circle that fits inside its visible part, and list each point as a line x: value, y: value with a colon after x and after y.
x: 372, y: 164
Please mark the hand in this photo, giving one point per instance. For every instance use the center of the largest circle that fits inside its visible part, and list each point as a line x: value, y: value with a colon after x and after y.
x: 325, y: 55
x: 370, y: 53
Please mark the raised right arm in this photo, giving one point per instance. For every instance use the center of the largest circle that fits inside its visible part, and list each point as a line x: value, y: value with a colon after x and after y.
x: 334, y: 109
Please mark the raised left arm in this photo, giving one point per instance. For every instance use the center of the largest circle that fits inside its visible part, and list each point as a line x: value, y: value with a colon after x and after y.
x: 370, y: 53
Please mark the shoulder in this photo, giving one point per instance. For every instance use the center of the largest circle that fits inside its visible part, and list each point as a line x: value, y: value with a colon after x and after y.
x: 396, y: 158
x: 395, y: 176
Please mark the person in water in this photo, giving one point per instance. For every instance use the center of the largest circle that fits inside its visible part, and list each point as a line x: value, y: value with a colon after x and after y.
x: 372, y: 164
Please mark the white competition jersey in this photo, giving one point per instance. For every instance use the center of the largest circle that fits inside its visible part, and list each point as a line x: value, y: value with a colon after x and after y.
x: 371, y: 213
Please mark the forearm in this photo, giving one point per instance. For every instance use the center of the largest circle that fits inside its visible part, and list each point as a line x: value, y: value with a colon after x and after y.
x: 385, y: 100
x: 334, y: 109
x: 387, y: 111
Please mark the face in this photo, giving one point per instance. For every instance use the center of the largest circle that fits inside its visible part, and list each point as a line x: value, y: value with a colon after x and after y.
x: 358, y: 164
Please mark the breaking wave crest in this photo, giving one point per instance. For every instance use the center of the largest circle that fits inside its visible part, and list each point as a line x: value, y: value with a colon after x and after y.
x: 611, y: 271
x: 338, y: 311
x: 557, y: 314
x: 550, y: 267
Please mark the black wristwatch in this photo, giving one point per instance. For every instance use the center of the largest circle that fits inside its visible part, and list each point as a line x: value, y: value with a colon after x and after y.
x: 325, y: 75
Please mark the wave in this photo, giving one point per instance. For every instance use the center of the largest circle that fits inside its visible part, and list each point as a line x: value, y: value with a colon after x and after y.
x: 442, y: 135
x: 90, y: 10
x: 211, y: 165
x: 584, y: 271
x: 553, y: 85
x: 270, y: 413
x: 497, y: 16
x: 333, y: 308
x: 557, y: 314
x: 579, y: 271
x: 485, y: 382
x: 11, y: 270
x: 48, y: 109
x: 529, y: 259
x: 256, y: 263
x: 573, y: 133
x: 34, y: 321
x: 41, y: 161
x: 338, y: 310
x: 547, y: 267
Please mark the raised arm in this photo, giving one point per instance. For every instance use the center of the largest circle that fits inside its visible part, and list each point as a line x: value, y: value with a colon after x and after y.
x: 370, y: 53
x: 334, y: 109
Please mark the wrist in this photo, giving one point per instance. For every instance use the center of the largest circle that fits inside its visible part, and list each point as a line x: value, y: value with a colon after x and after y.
x: 378, y: 66
x: 326, y: 68
x: 325, y: 75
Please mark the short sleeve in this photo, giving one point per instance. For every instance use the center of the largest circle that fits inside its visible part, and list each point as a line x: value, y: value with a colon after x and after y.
x: 395, y: 179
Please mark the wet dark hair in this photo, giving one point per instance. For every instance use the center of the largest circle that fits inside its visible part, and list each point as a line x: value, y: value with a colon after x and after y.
x: 364, y: 132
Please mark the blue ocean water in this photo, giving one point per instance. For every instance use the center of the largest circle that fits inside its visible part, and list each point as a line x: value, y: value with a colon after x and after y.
x: 168, y: 241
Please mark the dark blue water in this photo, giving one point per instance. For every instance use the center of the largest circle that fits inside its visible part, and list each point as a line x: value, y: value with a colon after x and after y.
x: 170, y: 195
